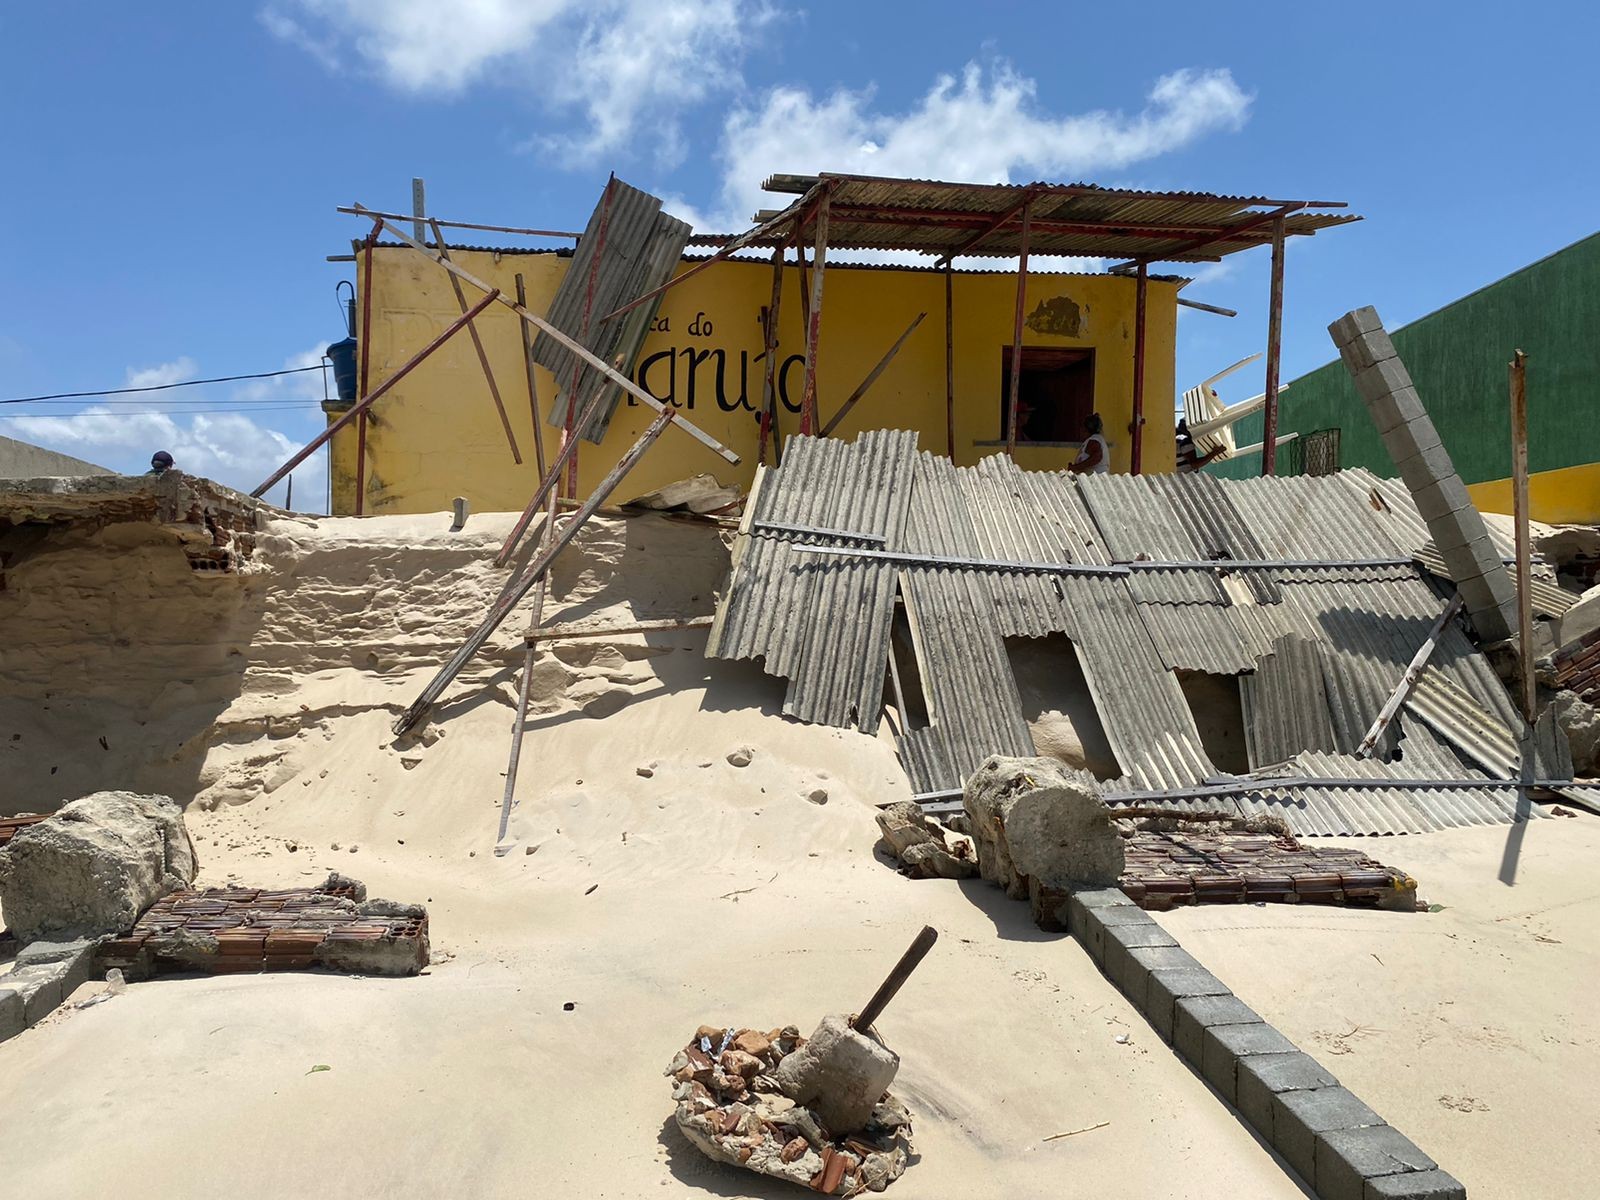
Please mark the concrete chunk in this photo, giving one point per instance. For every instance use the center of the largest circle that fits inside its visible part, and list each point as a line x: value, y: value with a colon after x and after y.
x: 1347, y: 1158
x: 1299, y: 1117
x: 840, y: 1073
x: 1193, y: 1015
x: 1260, y: 1077
x: 1223, y: 1046
x: 1415, y: 1185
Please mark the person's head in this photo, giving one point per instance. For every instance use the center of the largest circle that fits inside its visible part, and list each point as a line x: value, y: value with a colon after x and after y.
x: 1183, y: 428
x: 161, y: 461
x: 1092, y: 424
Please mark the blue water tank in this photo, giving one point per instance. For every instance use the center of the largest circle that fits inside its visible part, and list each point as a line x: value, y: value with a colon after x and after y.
x: 343, y: 355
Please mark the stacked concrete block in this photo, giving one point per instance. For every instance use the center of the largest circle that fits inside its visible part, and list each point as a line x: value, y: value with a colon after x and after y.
x: 1419, y: 455
x: 1341, y: 1148
x: 43, y: 976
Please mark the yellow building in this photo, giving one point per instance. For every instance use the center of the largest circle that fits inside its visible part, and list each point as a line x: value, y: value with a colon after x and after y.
x: 436, y: 435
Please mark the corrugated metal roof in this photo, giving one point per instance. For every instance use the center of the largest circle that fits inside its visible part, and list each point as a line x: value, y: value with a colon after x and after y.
x: 628, y: 248
x: 1318, y: 660
x: 937, y: 217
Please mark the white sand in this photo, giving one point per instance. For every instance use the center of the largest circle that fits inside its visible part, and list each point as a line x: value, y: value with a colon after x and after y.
x: 719, y: 894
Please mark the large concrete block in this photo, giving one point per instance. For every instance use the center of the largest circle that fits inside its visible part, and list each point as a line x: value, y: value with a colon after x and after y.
x: 1386, y: 378
x: 1165, y: 988
x: 1354, y: 324
x: 840, y: 1073
x: 1225, y: 1046
x: 1261, y: 1077
x: 1133, y: 951
x: 1347, y: 1158
x: 1193, y: 1015
x: 1299, y: 1117
x: 1416, y: 1185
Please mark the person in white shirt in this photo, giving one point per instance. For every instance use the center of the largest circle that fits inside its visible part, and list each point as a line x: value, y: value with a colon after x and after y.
x: 1094, y: 457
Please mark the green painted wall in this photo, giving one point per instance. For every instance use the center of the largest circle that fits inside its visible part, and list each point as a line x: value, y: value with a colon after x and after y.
x: 1457, y: 357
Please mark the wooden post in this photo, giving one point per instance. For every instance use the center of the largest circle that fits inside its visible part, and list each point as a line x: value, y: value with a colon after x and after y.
x: 1269, y: 424
x: 1016, y: 336
x: 769, y: 383
x: 477, y: 345
x: 533, y: 386
x: 501, y: 846
x: 949, y: 363
x: 1141, y: 290
x: 366, y: 378
x: 535, y: 571
x: 819, y: 263
x: 1519, y: 495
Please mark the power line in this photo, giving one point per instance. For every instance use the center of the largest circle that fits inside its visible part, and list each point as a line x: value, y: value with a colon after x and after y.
x: 158, y: 387
x: 159, y: 412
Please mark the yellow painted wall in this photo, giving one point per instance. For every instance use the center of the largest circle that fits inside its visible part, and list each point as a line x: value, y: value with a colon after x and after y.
x: 436, y: 435
x: 1570, y: 496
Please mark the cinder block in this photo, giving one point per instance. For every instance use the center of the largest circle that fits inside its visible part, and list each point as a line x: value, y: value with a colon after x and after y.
x: 1133, y: 951
x: 40, y: 989
x: 1442, y: 499
x: 1416, y: 1185
x: 1299, y: 1117
x: 1397, y: 408
x: 1366, y: 350
x: 13, y: 1014
x: 1193, y: 1015
x: 1425, y: 466
x: 1224, y: 1046
x: 1348, y: 1158
x: 1459, y: 535
x: 1260, y: 1077
x: 1165, y: 988
x: 1353, y: 324
x: 1411, y: 437
x: 71, y: 960
x: 1386, y: 378
x: 1080, y: 902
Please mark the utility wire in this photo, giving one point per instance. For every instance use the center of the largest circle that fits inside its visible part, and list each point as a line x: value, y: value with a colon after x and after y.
x: 158, y: 412
x: 157, y: 387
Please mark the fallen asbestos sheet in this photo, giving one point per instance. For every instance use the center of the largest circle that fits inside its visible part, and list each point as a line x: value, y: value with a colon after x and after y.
x: 231, y: 930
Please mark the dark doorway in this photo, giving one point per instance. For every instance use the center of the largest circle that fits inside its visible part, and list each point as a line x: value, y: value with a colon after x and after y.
x: 1055, y: 392
x: 1219, y: 715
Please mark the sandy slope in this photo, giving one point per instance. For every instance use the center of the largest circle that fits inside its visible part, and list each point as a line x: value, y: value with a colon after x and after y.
x: 703, y: 892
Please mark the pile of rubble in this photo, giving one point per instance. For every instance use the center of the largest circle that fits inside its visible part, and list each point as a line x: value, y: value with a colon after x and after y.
x: 814, y: 1111
x: 923, y: 848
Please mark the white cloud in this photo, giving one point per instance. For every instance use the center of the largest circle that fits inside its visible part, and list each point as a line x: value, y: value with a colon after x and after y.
x: 236, y: 448
x: 611, y: 60
x: 983, y: 126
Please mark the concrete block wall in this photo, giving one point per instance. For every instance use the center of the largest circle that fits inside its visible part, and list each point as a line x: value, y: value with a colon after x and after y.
x: 1341, y: 1148
x: 41, y: 979
x: 1419, y: 455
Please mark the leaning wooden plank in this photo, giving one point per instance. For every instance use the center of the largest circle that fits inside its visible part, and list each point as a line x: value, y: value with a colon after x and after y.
x: 872, y: 375
x: 534, y: 572
x: 502, y: 845
x: 1419, y: 660
x: 616, y: 377
x: 572, y: 633
x: 361, y: 406
x: 533, y: 386
x: 477, y: 345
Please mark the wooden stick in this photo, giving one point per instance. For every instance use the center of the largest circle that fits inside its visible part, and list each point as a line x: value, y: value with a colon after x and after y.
x: 949, y: 363
x: 1519, y: 493
x: 366, y: 401
x: 533, y: 386
x: 1016, y: 336
x: 477, y: 344
x: 1269, y: 421
x: 500, y: 846
x: 572, y: 633
x: 1074, y: 1132
x: 819, y: 266
x: 549, y: 233
x: 769, y: 383
x: 1408, y: 681
x: 535, y: 572
x: 917, y: 951
x: 872, y: 376
x: 567, y: 452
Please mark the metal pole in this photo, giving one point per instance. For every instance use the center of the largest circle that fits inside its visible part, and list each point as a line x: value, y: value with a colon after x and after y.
x: 949, y: 363
x: 1141, y: 290
x: 419, y: 210
x: 769, y: 384
x: 366, y: 378
x: 1269, y: 425
x: 533, y: 386
x: 477, y: 345
x: 1016, y: 336
x: 915, y: 953
x: 366, y: 401
x: 535, y: 571
x: 1519, y: 493
x: 819, y: 263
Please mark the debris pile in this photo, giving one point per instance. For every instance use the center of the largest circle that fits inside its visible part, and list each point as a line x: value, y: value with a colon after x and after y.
x: 94, y: 866
x: 230, y: 930
x: 922, y: 847
x: 1040, y: 830
x: 736, y: 1100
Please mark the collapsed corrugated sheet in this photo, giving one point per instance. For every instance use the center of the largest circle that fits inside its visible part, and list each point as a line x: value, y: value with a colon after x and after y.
x: 630, y: 247
x: 1319, y: 644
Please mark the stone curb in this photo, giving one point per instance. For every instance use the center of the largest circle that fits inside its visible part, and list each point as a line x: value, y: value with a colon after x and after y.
x: 44, y: 975
x: 1338, y: 1146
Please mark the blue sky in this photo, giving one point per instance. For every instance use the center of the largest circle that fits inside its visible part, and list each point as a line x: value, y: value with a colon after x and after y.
x: 171, y: 170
